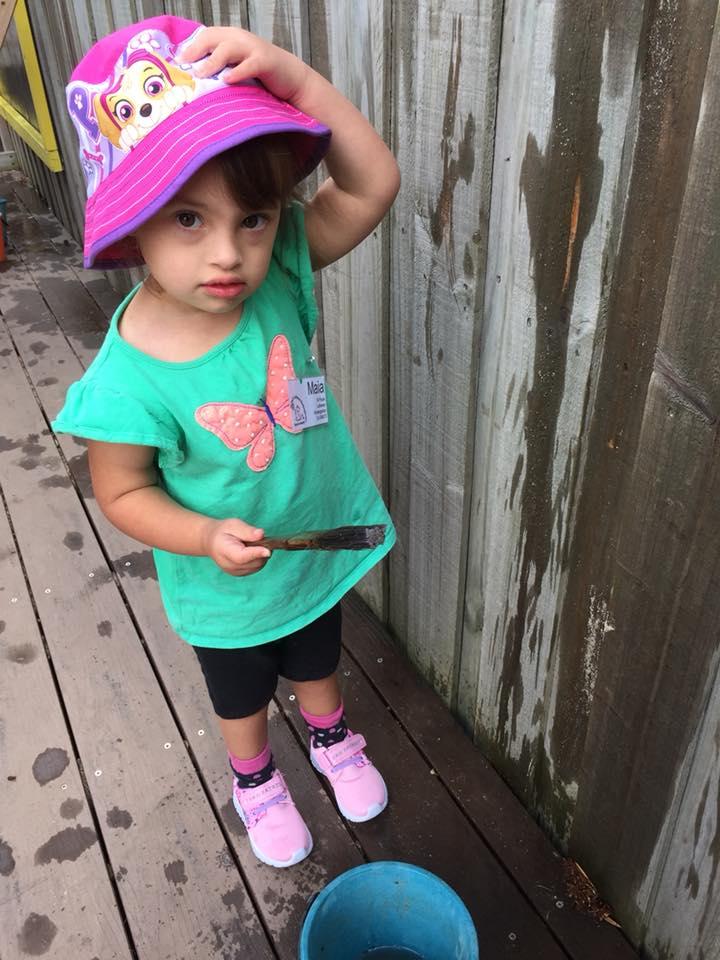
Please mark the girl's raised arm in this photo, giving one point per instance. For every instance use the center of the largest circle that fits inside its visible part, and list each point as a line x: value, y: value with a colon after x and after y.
x: 364, y: 177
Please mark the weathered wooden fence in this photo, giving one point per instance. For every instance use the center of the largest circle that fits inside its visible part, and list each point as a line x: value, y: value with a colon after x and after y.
x: 528, y: 351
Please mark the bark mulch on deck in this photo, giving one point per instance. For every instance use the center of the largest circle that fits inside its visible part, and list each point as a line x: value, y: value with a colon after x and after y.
x: 117, y: 837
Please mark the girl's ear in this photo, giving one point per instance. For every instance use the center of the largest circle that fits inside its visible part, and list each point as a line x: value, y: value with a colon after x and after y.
x: 152, y: 285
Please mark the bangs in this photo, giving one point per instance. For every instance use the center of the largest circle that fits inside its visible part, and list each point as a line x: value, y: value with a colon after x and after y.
x: 261, y: 171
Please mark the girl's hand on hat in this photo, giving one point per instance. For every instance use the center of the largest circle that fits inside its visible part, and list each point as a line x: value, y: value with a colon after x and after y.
x: 230, y: 544
x: 249, y: 56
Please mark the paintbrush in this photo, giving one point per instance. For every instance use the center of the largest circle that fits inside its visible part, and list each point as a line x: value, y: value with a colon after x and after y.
x: 339, y: 538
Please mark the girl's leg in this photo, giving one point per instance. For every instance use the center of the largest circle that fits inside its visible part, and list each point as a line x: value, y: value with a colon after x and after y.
x: 309, y: 659
x: 247, y: 737
x: 276, y: 830
x: 360, y: 790
x: 318, y: 697
x: 247, y: 744
x: 241, y: 682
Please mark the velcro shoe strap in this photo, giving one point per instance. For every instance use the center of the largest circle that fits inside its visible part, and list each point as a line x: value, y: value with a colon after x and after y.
x: 263, y: 795
x: 346, y: 749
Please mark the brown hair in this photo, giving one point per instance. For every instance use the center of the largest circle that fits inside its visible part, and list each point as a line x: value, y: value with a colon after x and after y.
x: 261, y: 171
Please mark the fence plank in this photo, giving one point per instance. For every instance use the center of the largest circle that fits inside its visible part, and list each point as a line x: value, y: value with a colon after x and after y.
x: 59, y: 40
x: 283, y: 22
x: 444, y: 90
x: 562, y: 117
x: 350, y: 46
x: 225, y: 13
x: 652, y: 741
x: 677, y: 896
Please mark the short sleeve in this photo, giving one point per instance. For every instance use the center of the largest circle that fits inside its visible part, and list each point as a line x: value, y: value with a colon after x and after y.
x: 98, y: 413
x: 292, y: 255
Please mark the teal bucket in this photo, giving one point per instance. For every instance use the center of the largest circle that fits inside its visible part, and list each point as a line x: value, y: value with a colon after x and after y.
x: 388, y: 911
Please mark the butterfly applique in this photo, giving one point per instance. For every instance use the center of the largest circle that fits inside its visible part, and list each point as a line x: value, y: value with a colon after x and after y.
x: 240, y: 425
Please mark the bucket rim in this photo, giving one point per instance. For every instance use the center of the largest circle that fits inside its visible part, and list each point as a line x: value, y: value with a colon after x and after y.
x: 374, y: 867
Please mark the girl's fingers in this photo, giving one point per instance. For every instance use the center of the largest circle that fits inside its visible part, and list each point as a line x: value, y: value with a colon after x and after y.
x: 243, y: 71
x: 245, y: 555
x: 206, y: 40
x: 248, y: 566
x: 213, y: 64
x: 219, y: 57
x: 242, y: 531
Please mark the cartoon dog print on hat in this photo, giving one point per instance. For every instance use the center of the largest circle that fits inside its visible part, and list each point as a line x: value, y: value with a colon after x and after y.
x: 146, y: 91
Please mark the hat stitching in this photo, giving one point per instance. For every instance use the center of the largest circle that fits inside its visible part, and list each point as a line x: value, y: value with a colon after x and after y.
x: 124, y: 182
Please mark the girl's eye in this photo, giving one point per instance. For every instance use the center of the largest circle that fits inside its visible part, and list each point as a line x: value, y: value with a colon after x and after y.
x: 153, y: 86
x: 123, y: 110
x: 188, y: 220
x: 255, y: 221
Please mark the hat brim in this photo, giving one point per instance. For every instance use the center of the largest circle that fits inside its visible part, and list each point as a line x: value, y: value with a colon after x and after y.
x: 170, y: 154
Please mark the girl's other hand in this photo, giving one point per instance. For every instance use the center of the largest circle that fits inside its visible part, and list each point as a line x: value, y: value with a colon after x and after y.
x: 250, y: 56
x: 230, y: 544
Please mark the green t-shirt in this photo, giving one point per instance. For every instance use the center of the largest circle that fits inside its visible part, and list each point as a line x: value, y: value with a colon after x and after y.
x: 199, y: 415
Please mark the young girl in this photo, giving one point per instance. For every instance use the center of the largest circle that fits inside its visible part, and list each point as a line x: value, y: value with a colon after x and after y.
x: 202, y: 437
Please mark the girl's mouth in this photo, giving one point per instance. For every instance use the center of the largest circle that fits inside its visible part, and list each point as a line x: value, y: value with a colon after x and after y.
x: 224, y: 289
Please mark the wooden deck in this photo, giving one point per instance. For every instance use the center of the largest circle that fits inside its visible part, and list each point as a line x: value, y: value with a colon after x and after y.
x: 117, y: 838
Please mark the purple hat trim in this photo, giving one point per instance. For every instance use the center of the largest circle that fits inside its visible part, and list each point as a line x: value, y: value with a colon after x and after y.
x: 146, y: 125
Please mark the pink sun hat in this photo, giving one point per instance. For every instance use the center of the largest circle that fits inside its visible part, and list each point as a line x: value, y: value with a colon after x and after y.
x: 146, y: 124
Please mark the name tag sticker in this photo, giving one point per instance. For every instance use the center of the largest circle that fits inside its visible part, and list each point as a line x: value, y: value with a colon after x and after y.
x: 308, y: 403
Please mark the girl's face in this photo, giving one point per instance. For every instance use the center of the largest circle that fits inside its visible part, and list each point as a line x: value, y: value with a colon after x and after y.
x: 204, y: 252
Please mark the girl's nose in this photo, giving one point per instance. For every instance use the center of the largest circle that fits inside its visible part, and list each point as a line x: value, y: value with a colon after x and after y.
x: 226, y: 251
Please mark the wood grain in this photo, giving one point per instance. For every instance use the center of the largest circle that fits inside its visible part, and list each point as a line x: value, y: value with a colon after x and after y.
x: 55, y: 889
x: 444, y: 92
x: 165, y: 843
x: 350, y: 46
x: 656, y: 724
x: 558, y: 187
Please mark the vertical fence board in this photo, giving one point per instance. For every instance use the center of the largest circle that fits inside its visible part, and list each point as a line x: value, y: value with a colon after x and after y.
x: 225, y: 13
x: 283, y: 22
x: 656, y: 726
x: 677, y: 899
x: 354, y: 39
x: 565, y: 96
x: 189, y: 9
x: 58, y: 42
x: 606, y: 751
x: 444, y: 100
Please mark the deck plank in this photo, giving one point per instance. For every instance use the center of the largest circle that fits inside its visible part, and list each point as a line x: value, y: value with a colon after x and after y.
x: 281, y: 898
x: 55, y: 891
x: 179, y: 885
x: 423, y: 825
x: 483, y: 796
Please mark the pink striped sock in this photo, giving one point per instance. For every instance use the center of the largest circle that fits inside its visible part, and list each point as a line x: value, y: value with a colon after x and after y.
x: 254, y: 764
x: 328, y: 730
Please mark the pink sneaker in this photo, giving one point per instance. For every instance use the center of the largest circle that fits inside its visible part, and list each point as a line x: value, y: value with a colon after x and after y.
x: 360, y: 791
x: 277, y: 832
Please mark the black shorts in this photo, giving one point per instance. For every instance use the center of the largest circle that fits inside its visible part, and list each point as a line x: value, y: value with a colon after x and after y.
x: 242, y: 680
